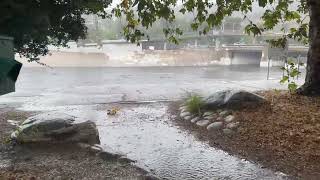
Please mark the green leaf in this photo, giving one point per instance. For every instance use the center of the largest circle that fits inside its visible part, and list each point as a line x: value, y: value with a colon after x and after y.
x: 292, y: 86
x: 262, y: 3
x: 194, y: 26
x: 183, y: 10
x: 254, y: 29
x: 294, y: 73
x: 284, y: 79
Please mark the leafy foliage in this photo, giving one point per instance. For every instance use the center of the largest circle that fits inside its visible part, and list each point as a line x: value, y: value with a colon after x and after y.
x: 208, y: 14
x: 291, y: 74
x: 35, y: 24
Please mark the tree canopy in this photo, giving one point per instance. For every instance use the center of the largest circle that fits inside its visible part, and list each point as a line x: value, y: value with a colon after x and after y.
x: 36, y: 24
x: 208, y: 13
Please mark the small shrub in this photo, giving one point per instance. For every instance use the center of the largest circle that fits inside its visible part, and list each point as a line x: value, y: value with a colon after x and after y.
x: 194, y: 104
x: 291, y: 73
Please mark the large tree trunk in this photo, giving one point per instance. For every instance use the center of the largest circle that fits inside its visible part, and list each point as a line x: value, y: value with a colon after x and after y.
x: 311, y: 86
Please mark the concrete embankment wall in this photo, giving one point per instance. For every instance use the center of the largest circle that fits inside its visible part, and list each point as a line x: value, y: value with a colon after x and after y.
x: 106, y: 58
x: 68, y: 59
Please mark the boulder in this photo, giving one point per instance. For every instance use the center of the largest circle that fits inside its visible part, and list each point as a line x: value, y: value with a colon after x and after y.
x: 211, y: 117
x: 219, y: 119
x: 56, y: 127
x: 194, y: 120
x: 232, y: 125
x: 187, y: 118
x: 224, y: 113
x: 183, y: 110
x: 203, y: 123
x: 229, y: 119
x: 208, y: 113
x: 215, y: 126
x: 232, y: 99
x: 184, y: 114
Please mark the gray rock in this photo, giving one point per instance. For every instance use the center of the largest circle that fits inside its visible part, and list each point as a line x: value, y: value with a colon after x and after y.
x: 232, y: 125
x: 208, y: 117
x: 184, y: 114
x: 182, y: 108
x: 219, y: 119
x: 187, y: 118
x: 224, y: 113
x: 227, y: 131
x: 216, y: 100
x: 229, y: 119
x: 13, y: 122
x: 232, y: 99
x: 203, y: 123
x: 184, y: 111
x: 194, y: 120
x: 208, y: 114
x: 56, y: 127
x: 215, y: 126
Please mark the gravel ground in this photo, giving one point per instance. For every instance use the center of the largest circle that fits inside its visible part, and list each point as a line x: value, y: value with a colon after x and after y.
x: 39, y: 161
x: 283, y: 135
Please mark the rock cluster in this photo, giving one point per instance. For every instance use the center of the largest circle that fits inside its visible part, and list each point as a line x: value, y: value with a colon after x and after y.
x: 214, y: 121
x: 218, y: 110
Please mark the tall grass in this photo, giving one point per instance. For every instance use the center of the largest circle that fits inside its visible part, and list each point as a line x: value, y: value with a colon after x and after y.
x: 194, y: 104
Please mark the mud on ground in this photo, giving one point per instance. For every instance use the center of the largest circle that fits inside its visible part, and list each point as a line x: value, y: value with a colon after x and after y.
x: 283, y: 135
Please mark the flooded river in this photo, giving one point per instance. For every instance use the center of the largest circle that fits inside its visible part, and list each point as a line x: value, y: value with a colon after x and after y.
x: 42, y: 88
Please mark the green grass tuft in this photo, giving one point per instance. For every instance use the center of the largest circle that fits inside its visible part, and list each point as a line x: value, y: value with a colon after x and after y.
x: 195, y: 104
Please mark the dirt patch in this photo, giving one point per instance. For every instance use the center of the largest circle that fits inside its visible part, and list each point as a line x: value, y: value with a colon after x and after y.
x: 67, y: 161
x: 283, y: 135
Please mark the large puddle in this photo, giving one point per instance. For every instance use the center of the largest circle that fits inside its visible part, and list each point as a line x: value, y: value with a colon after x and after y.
x: 144, y: 133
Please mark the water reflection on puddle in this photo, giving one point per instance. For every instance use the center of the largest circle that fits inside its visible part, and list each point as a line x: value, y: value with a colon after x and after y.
x: 145, y: 134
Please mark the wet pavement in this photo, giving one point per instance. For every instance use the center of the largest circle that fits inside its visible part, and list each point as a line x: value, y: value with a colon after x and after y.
x: 143, y: 131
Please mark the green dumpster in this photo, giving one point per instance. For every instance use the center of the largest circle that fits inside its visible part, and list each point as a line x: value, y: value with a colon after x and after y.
x: 9, y: 71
